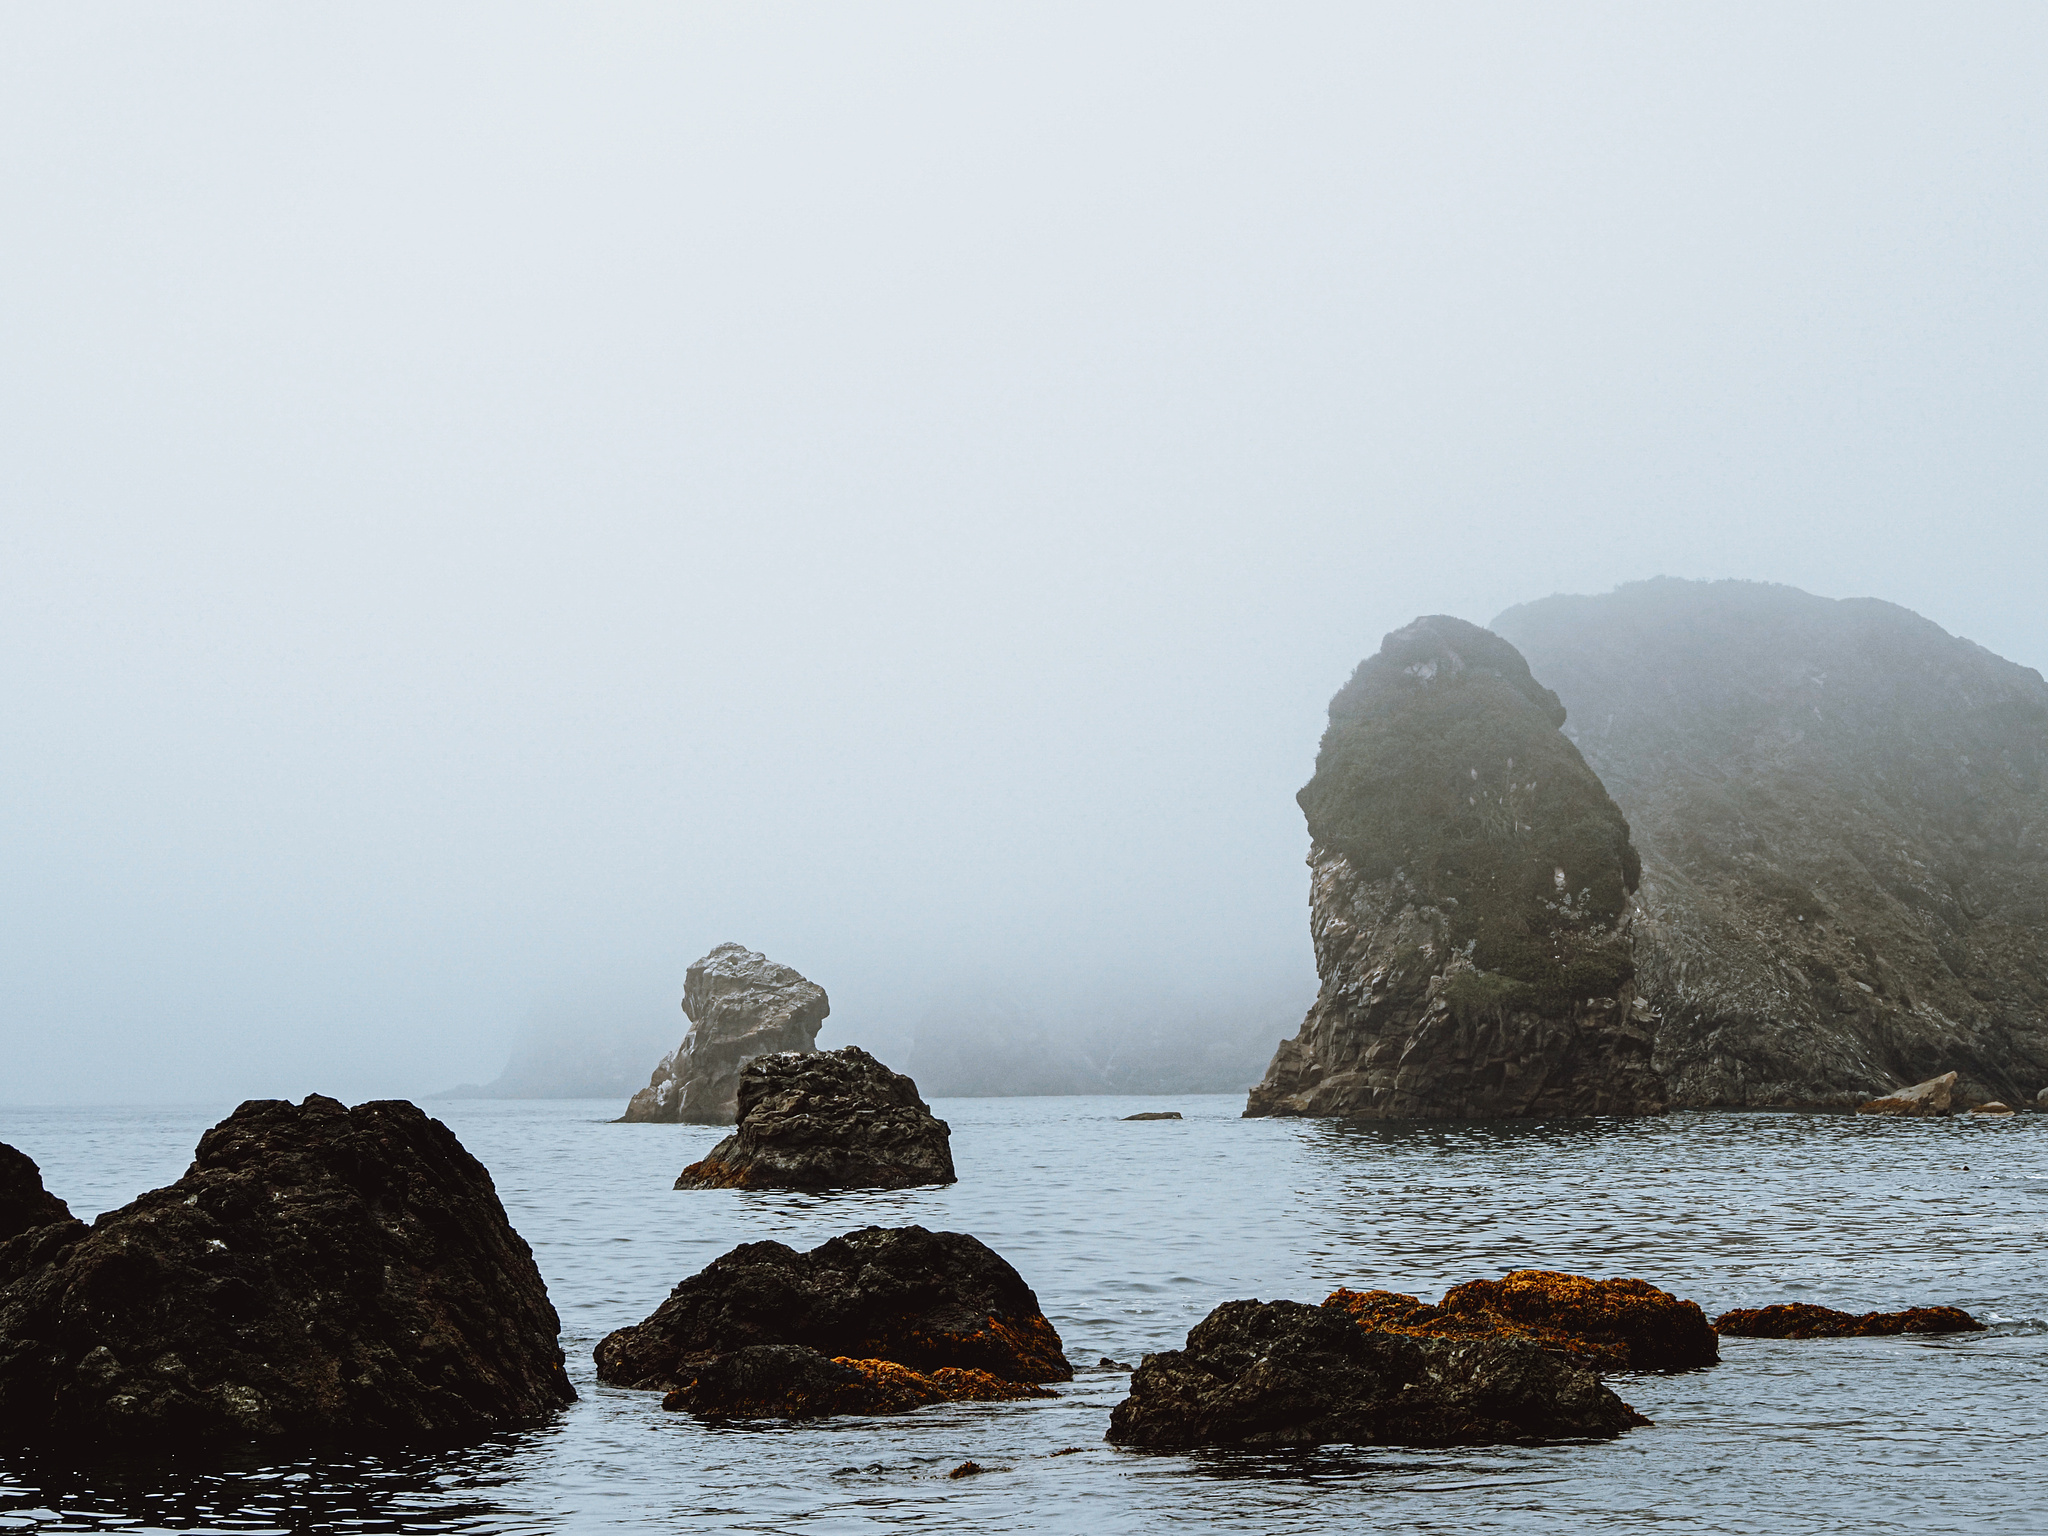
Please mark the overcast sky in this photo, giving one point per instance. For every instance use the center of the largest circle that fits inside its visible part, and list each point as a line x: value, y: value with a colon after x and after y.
x: 498, y: 499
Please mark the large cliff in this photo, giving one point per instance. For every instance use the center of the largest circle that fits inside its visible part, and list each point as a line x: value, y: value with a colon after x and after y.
x: 1843, y: 818
x: 1469, y: 902
x: 740, y: 1005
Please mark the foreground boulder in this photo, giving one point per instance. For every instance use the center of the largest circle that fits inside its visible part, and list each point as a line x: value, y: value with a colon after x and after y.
x: 1934, y: 1097
x: 930, y: 1302
x: 1281, y: 1373
x: 1469, y: 902
x: 1839, y: 809
x: 740, y: 1005
x: 320, y: 1275
x: 787, y: 1381
x: 827, y: 1120
x: 1612, y: 1325
x: 24, y: 1203
x: 1798, y: 1320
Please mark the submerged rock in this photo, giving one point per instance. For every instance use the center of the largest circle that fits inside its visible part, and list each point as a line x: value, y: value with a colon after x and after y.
x: 827, y: 1120
x: 1840, y: 810
x: 787, y: 1381
x: 1156, y: 1114
x: 1993, y: 1109
x: 1614, y: 1325
x: 1469, y: 902
x: 319, y: 1275
x: 24, y: 1203
x: 1936, y: 1096
x: 740, y: 1005
x: 1799, y: 1320
x: 931, y: 1302
x: 1281, y: 1373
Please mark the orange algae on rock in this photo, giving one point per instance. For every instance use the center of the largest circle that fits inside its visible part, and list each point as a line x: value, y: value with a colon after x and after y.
x: 790, y: 1382
x: 1616, y: 1325
x: 1800, y: 1320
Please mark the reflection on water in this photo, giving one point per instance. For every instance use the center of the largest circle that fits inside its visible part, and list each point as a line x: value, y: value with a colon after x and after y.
x: 1130, y: 1232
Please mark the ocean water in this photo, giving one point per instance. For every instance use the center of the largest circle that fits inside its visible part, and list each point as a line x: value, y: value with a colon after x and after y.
x: 1130, y: 1233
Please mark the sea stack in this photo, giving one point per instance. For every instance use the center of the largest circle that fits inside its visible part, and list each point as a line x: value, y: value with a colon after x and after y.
x: 320, y: 1276
x: 1469, y: 902
x: 1843, y: 818
x: 827, y: 1120
x: 740, y: 1005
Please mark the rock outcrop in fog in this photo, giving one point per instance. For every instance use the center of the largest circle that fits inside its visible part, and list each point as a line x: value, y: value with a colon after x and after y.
x: 1469, y: 902
x: 319, y: 1275
x: 740, y: 1005
x: 1842, y: 812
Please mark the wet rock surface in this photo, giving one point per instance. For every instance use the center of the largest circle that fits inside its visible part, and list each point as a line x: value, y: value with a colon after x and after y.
x: 930, y: 1302
x: 320, y: 1275
x: 1283, y: 1373
x: 787, y: 1381
x: 1799, y: 1320
x: 827, y: 1120
x: 1469, y: 902
x: 1612, y: 1325
x: 1934, y: 1097
x: 740, y: 1005
x: 1843, y: 818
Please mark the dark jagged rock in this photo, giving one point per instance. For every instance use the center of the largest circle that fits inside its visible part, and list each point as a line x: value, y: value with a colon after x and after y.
x: 1799, y: 1320
x: 1612, y: 1325
x: 740, y: 1005
x: 24, y: 1203
x: 1469, y: 902
x: 319, y: 1275
x: 1843, y: 818
x: 933, y: 1303
x: 1927, y: 1100
x: 827, y: 1120
x: 1280, y: 1373
x: 787, y: 1381
x: 1156, y: 1114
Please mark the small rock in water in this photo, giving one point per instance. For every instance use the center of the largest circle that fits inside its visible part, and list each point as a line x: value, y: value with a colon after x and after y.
x: 1107, y: 1364
x: 1276, y: 1373
x: 1936, y: 1096
x: 1993, y: 1108
x: 827, y: 1120
x: 1799, y: 1320
x: 967, y: 1469
x: 1156, y: 1114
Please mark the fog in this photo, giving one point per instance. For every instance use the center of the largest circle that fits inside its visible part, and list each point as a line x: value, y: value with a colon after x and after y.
x: 495, y: 500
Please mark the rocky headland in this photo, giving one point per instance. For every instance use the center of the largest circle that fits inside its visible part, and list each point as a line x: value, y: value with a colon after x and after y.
x: 876, y: 1321
x: 1470, y: 902
x: 740, y: 1005
x: 1283, y: 1373
x: 1611, y: 1325
x: 827, y: 1120
x: 1842, y: 812
x: 321, y: 1275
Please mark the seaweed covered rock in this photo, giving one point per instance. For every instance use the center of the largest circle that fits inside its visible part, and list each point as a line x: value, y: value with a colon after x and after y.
x: 740, y: 1005
x: 1469, y: 902
x: 320, y: 1275
x: 827, y: 1120
x: 1928, y: 1100
x: 1800, y: 1320
x: 1843, y: 819
x: 787, y: 1381
x: 1612, y: 1325
x: 24, y: 1203
x: 1282, y: 1373
x: 927, y: 1301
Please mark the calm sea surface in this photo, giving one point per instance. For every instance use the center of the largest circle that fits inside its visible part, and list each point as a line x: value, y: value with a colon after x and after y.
x: 1131, y: 1232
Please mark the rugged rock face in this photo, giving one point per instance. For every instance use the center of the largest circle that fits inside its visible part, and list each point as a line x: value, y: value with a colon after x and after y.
x: 1612, y: 1325
x: 1469, y: 902
x: 929, y: 1302
x: 1799, y: 1320
x: 24, y: 1203
x: 827, y: 1120
x: 787, y: 1381
x: 1843, y: 817
x: 1280, y: 1373
x: 320, y: 1275
x: 1934, y: 1097
x: 740, y: 1005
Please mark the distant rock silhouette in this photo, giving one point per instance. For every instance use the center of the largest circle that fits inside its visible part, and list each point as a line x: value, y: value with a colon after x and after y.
x: 826, y: 1120
x: 1843, y: 818
x: 1802, y: 1320
x: 740, y: 1005
x: 320, y: 1275
x: 1469, y: 902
